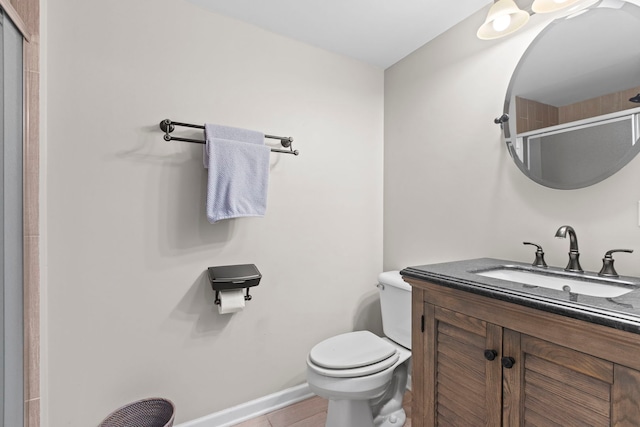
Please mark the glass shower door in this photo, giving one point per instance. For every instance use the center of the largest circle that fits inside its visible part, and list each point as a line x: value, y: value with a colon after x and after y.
x: 11, y: 231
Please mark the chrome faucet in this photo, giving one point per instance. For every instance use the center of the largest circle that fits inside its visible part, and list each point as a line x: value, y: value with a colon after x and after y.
x: 574, y: 255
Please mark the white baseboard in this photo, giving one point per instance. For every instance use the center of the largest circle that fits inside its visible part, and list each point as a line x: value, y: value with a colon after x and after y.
x: 263, y: 405
x: 255, y: 408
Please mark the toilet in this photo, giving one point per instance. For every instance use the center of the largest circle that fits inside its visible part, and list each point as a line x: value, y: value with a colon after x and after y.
x: 364, y: 376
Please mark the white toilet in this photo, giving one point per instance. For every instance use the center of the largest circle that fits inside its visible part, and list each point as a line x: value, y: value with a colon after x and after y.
x: 365, y: 376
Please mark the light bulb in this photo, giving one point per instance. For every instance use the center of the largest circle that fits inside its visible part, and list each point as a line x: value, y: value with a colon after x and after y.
x: 501, y: 23
x: 559, y: 1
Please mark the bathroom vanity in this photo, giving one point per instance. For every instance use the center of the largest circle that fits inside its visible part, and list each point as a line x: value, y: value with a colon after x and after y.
x: 492, y: 352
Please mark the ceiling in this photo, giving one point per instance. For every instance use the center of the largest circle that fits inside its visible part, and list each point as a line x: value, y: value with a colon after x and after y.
x: 379, y: 32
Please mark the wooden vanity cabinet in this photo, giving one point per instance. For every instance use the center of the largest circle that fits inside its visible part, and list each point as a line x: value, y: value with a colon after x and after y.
x: 478, y: 361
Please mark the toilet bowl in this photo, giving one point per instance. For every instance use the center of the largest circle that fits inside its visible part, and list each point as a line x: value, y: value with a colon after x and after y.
x: 364, y: 376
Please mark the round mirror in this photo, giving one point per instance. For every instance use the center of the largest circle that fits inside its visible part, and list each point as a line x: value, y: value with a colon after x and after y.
x: 574, y: 99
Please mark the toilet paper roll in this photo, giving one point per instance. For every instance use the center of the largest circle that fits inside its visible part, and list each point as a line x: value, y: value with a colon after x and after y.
x: 231, y: 301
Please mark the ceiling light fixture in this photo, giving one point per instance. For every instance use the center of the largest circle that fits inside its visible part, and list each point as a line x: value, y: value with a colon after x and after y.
x: 503, y: 18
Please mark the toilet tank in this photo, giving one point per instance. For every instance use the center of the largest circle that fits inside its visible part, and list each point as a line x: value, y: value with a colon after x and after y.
x: 395, y: 303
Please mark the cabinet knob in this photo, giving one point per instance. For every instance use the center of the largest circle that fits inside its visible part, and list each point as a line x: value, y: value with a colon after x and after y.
x: 490, y: 354
x: 508, y: 362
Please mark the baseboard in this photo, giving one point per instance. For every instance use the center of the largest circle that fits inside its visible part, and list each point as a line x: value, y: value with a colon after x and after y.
x: 252, y: 409
x: 255, y: 408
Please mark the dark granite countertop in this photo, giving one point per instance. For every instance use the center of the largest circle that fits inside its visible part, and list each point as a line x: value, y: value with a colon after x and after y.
x: 622, y: 312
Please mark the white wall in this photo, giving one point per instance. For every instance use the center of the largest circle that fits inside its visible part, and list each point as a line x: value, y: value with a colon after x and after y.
x: 129, y: 313
x: 452, y: 191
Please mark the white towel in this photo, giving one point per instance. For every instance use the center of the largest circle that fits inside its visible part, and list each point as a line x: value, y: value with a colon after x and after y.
x: 238, y: 178
x: 227, y: 132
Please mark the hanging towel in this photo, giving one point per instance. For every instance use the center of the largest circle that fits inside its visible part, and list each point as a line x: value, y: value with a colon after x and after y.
x: 227, y: 132
x: 238, y: 178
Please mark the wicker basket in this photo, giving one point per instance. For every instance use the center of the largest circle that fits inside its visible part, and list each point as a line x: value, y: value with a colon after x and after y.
x: 153, y: 412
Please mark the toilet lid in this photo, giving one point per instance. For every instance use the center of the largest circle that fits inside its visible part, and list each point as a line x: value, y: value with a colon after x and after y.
x: 351, y: 350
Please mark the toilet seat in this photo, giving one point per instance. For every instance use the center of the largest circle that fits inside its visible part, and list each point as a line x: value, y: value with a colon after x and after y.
x: 350, y: 355
x: 355, y: 372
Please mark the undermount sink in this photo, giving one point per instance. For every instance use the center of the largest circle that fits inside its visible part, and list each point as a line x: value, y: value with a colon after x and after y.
x: 579, y: 284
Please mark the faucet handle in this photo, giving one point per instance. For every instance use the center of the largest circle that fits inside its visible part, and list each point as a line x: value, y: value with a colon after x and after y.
x: 539, y: 261
x: 607, y: 263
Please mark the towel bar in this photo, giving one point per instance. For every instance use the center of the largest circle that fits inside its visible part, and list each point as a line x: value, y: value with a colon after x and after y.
x: 168, y: 126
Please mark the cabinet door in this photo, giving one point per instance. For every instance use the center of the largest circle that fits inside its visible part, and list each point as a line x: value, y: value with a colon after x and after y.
x: 551, y: 385
x: 463, y: 387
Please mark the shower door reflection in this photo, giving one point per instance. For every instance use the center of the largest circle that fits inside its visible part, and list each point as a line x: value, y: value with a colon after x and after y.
x: 580, y: 154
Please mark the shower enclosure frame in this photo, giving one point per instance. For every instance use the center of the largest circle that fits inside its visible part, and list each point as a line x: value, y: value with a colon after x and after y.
x: 25, y: 15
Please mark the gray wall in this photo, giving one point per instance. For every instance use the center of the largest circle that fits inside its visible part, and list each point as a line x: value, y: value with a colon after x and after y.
x: 128, y: 312
x: 451, y: 189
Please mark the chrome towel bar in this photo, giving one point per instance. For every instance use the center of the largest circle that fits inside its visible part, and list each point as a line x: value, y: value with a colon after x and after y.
x: 169, y: 126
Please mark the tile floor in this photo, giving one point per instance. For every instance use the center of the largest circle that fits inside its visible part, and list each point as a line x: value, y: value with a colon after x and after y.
x: 308, y: 413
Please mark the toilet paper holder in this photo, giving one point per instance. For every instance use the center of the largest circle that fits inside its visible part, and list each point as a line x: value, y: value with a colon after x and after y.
x: 228, y: 277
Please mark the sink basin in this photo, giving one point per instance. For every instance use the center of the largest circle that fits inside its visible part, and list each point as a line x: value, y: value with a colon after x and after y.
x: 586, y: 285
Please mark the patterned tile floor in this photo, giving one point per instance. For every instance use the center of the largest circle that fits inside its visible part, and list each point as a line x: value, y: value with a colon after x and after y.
x: 308, y: 413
